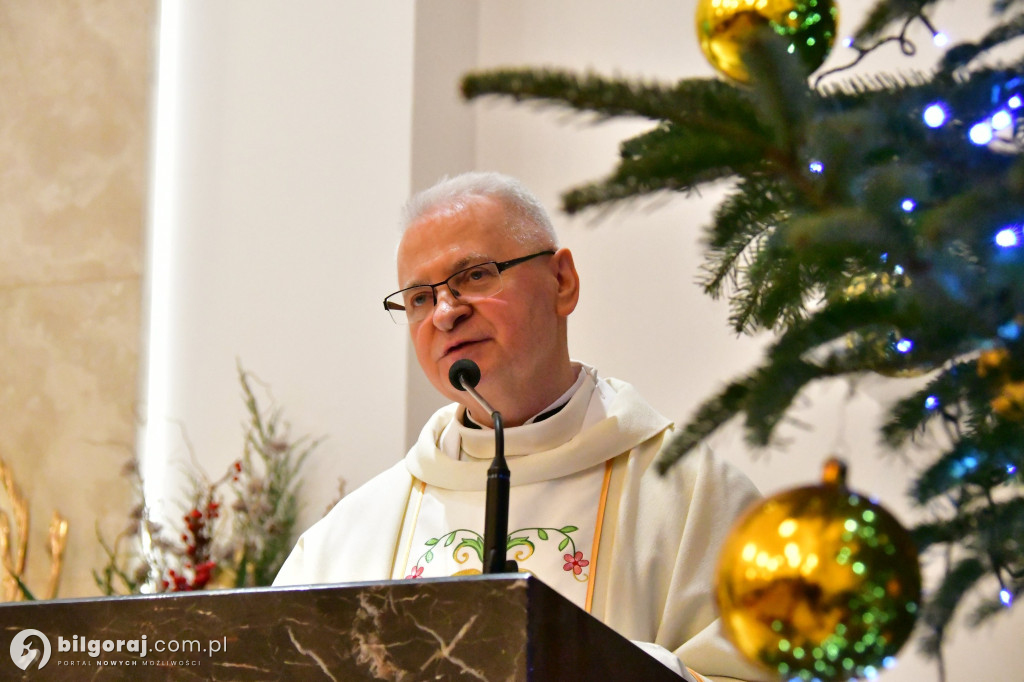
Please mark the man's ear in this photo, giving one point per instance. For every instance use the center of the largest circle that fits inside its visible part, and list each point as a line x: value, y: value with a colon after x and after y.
x: 568, y: 282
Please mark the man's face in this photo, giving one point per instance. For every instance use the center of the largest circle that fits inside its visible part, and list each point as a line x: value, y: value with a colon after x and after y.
x: 517, y: 336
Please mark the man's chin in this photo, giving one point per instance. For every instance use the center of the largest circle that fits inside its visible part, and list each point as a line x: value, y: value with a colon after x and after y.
x: 473, y: 352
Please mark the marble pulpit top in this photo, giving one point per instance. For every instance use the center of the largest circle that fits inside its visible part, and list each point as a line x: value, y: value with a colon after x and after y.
x: 507, y: 627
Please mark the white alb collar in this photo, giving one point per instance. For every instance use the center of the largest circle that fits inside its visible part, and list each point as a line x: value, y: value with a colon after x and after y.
x: 463, y: 442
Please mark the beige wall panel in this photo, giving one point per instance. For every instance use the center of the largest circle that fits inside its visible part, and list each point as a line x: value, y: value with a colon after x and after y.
x: 74, y: 128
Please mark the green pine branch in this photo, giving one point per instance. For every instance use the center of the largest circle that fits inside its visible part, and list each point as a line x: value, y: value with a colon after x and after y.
x: 704, y: 104
x: 864, y: 239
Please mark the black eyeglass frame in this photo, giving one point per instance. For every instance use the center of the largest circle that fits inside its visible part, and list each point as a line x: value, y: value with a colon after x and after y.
x: 500, y: 266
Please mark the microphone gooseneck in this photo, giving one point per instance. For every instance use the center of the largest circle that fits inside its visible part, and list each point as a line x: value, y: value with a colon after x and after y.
x: 464, y: 375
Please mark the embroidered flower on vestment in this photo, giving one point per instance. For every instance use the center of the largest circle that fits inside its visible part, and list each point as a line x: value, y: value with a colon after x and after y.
x: 575, y: 563
x: 416, y: 573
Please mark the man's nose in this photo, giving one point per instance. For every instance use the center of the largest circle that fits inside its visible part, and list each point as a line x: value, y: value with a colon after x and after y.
x: 448, y: 310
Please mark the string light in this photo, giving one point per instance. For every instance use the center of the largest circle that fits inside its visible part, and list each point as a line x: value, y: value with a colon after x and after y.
x: 1006, y: 597
x: 981, y: 133
x: 961, y: 467
x: 1001, y: 119
x: 1009, y: 331
x: 934, y: 115
x: 816, y: 167
x: 904, y: 345
x: 940, y: 39
x: 931, y: 402
x: 1008, y: 237
x: 897, y: 270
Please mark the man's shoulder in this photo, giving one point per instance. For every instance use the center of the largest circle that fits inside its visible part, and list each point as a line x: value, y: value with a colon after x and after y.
x: 394, y: 478
x: 389, y: 486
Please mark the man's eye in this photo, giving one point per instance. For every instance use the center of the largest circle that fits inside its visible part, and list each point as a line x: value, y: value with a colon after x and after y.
x: 420, y: 299
x: 476, y: 274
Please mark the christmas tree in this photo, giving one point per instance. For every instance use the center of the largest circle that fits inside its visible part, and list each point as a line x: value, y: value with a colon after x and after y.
x: 875, y: 224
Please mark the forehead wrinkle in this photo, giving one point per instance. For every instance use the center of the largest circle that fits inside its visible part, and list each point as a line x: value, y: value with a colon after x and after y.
x: 462, y: 263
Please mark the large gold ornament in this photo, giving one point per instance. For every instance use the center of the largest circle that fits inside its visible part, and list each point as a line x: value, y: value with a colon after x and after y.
x: 818, y: 583
x: 725, y: 27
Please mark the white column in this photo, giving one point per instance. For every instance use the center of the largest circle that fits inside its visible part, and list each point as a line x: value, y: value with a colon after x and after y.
x: 281, y: 159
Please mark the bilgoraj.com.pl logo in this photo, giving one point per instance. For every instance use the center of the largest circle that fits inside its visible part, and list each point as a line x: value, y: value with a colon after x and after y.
x: 30, y: 646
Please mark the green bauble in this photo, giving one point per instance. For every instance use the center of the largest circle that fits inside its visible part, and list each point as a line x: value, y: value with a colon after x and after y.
x: 724, y: 28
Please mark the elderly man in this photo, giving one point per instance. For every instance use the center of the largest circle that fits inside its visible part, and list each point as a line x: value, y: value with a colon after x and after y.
x: 482, y: 277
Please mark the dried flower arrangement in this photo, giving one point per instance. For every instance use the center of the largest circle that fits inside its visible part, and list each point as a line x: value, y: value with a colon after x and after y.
x: 14, y: 542
x: 237, y: 530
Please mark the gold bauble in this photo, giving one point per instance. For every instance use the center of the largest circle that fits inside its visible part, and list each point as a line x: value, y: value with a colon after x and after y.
x: 1009, y: 404
x: 993, y: 361
x: 881, y: 354
x: 875, y: 285
x: 818, y: 583
x: 880, y: 350
x: 996, y: 365
x: 725, y: 27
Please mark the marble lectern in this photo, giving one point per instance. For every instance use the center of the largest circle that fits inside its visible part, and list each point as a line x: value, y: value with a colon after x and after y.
x: 504, y: 627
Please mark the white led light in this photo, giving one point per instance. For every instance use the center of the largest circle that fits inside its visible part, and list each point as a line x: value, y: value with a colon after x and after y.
x: 1001, y: 119
x: 934, y: 115
x: 1007, y: 238
x: 980, y: 133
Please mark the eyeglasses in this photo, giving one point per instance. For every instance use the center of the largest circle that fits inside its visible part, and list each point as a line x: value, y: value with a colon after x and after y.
x: 412, y: 305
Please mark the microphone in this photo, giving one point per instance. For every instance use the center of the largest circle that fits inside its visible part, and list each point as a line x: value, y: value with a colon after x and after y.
x: 464, y: 375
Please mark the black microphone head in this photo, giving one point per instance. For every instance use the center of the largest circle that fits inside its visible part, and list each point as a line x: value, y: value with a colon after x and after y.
x: 464, y: 370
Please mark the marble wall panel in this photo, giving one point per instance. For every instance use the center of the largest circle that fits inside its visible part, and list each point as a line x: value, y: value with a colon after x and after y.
x: 75, y: 79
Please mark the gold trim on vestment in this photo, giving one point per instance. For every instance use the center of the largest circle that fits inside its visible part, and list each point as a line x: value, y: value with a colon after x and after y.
x: 407, y: 530
x: 598, y: 524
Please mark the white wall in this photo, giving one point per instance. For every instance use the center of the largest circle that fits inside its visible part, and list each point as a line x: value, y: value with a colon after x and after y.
x: 443, y: 140
x: 279, y: 168
x: 303, y: 126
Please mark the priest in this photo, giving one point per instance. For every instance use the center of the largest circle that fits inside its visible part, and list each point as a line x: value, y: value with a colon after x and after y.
x: 481, y: 276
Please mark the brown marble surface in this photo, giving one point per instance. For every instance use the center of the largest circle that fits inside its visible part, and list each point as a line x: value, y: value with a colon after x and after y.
x: 509, y: 627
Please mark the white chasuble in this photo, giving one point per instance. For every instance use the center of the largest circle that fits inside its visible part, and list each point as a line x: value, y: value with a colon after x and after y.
x: 553, y: 528
x: 554, y: 522
x: 590, y: 515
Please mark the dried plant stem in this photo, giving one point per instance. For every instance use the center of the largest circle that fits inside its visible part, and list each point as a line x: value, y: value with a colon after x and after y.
x: 13, y: 543
x: 58, y: 542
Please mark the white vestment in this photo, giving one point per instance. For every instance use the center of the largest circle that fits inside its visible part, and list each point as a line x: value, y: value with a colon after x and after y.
x: 654, y: 539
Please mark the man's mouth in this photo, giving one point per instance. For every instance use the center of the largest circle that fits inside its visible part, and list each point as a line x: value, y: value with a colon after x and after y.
x: 456, y: 347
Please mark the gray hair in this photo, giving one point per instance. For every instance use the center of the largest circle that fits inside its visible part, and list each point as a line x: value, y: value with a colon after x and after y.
x: 528, y: 223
